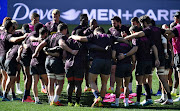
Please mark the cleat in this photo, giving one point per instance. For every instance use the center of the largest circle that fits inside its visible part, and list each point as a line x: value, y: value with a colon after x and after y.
x: 16, y: 99
x: 5, y: 99
x: 56, y: 103
x: 159, y: 100
x: 28, y: 99
x: 43, y: 91
x: 109, y: 100
x: 110, y: 91
x: 110, y: 95
x: 177, y: 99
x: 178, y: 96
x: 114, y: 105
x: 136, y: 104
x: 146, y: 103
x: 77, y: 105
x: 87, y: 89
x: 38, y: 102
x: 133, y: 94
x: 19, y: 92
x: 96, y: 101
x: 173, y: 94
x: 168, y: 102
x: 158, y: 93
x: 70, y: 104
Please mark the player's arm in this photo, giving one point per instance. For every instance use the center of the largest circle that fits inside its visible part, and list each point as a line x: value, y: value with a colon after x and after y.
x: 154, y: 48
x: 133, y: 57
x: 32, y: 38
x: 164, y: 42
x: 39, y: 48
x: 63, y: 45
x: 121, y: 39
x: 135, y: 35
x: 114, y: 55
x: 169, y: 34
x: 172, y: 54
x: 131, y: 52
x: 18, y: 39
x: 79, y: 38
x: 20, y: 49
x: 55, y: 54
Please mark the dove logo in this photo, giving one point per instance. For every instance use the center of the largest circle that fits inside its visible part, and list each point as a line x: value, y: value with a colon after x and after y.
x: 71, y: 14
x: 28, y: 13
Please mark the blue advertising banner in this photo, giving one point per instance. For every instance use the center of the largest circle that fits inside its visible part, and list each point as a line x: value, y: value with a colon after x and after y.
x: 3, y: 10
x: 161, y: 11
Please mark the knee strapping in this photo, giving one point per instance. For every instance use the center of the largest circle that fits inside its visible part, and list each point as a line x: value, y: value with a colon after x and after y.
x: 161, y: 72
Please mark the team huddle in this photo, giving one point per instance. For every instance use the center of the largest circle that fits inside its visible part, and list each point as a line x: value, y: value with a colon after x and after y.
x: 49, y: 53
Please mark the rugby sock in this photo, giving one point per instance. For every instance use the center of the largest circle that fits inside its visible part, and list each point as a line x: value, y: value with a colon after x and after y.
x: 117, y: 101
x: 130, y: 86
x: 77, y: 100
x: 17, y: 86
x: 170, y: 87
x: 126, y: 100
x: 139, y: 91
x: 169, y: 96
x: 112, y: 88
x: 96, y: 94
x: 5, y: 95
x: 56, y: 97
x: 165, y: 97
x: 174, y: 90
x: 13, y: 95
x: 28, y: 92
x: 102, y: 98
x: 147, y: 89
x: 70, y: 99
x: 36, y: 99
x: 25, y: 95
x: 51, y: 98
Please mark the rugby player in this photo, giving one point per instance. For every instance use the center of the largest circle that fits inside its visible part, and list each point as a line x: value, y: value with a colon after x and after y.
x: 154, y: 34
x: 116, y: 30
x: 53, y: 64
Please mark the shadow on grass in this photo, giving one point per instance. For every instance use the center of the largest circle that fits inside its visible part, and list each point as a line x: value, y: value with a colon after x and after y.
x: 87, y: 100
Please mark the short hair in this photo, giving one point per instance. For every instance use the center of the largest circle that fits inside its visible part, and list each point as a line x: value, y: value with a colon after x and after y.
x: 5, y: 19
x: 8, y: 24
x: 134, y: 28
x: 26, y: 28
x: 153, y: 22
x: 62, y: 26
x: 37, y: 27
x: 145, y: 18
x: 43, y: 30
x: 177, y: 14
x: 34, y: 15
x: 116, y: 18
x: 14, y: 23
x: 82, y: 16
x: 99, y: 29
x: 135, y: 19
x: 56, y: 11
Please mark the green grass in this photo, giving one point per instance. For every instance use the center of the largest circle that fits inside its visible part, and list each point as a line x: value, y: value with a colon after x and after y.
x: 86, y: 99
